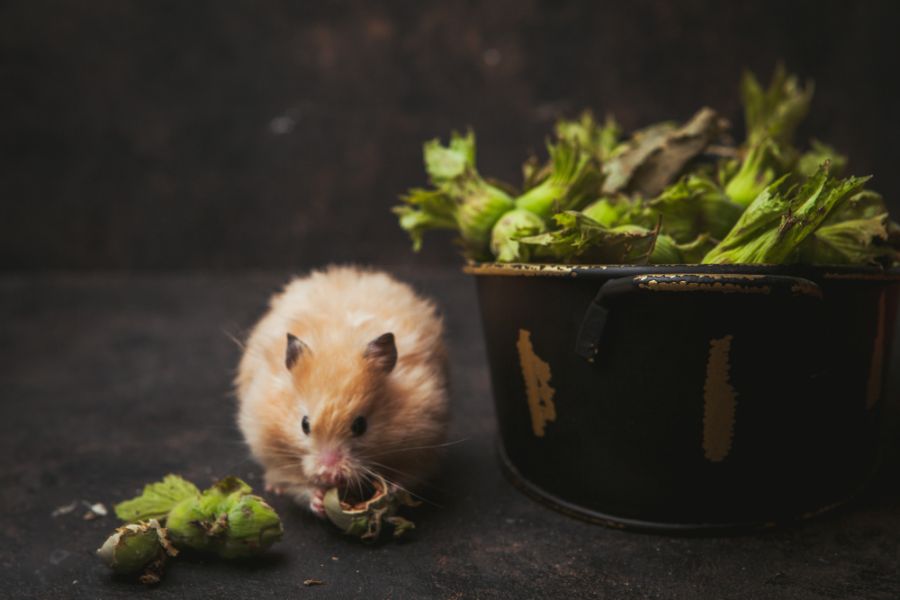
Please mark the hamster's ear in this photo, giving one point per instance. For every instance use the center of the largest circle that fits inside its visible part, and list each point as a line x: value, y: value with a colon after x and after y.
x: 382, y: 353
x: 295, y: 349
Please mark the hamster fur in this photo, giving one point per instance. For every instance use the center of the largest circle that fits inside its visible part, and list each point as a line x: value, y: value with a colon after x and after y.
x: 327, y: 396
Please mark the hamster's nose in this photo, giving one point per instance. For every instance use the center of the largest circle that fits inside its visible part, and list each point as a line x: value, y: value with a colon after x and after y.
x: 330, y: 458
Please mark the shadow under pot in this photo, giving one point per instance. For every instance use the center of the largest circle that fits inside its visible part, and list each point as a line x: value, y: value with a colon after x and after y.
x: 688, y: 397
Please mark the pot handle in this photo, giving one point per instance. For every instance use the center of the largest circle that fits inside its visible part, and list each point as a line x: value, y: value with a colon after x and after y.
x: 594, y: 321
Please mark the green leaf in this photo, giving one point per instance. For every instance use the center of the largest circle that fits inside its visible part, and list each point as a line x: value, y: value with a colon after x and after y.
x: 601, y: 141
x: 513, y: 225
x: 423, y: 211
x: 574, y: 181
x: 776, y: 222
x: 695, y: 205
x: 230, y: 485
x: 776, y: 111
x: 401, y: 525
x: 854, y: 234
x: 667, y: 251
x: 861, y: 205
x: 157, y: 499
x: 534, y: 172
x: 460, y: 200
x: 810, y: 161
x: 581, y: 239
x: 480, y: 206
x: 606, y: 212
x: 621, y: 210
x: 446, y: 163
x: 694, y: 251
x: 853, y: 242
x: 816, y: 199
x: 756, y: 171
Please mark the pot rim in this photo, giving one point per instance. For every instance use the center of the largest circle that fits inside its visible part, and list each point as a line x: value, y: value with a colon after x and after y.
x: 597, y: 271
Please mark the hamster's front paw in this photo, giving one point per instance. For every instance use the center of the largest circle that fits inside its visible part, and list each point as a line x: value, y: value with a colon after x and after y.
x: 316, y: 504
x: 271, y: 488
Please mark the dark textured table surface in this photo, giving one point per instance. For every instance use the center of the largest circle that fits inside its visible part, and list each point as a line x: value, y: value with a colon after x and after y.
x: 109, y: 381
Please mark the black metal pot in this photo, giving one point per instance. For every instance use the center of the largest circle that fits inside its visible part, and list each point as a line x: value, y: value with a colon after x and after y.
x: 688, y: 397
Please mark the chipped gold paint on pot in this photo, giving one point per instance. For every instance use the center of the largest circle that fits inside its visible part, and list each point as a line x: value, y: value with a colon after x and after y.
x: 536, y: 375
x: 718, y: 401
x: 688, y: 397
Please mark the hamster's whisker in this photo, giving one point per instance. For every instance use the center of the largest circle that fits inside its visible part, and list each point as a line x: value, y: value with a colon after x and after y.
x: 357, y: 479
x: 411, y: 448
x: 290, y: 465
x: 397, y: 471
x: 234, y: 339
x: 289, y: 456
x: 239, y: 464
x: 375, y: 475
x: 274, y: 451
x: 278, y: 448
x: 419, y: 481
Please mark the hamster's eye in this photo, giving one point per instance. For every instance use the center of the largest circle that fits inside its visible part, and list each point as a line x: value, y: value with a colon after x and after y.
x: 358, y: 427
x: 305, y: 424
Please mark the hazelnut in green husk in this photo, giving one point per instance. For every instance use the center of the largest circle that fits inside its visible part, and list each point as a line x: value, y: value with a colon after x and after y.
x: 511, y: 226
x: 226, y: 520
x: 365, y: 519
x: 141, y: 547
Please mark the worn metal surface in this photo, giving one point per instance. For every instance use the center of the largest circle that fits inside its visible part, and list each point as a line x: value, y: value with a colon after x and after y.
x: 110, y: 381
x: 653, y: 398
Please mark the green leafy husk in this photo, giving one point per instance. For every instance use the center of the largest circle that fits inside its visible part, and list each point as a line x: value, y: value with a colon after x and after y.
x: 667, y: 193
x: 756, y: 171
x: 460, y: 199
x: 580, y: 238
x: 852, y: 242
x: 667, y: 251
x: 602, y: 141
x: 693, y: 206
x: 480, y: 206
x: 513, y: 225
x: 157, y: 499
x: 226, y: 520
x: 574, y: 180
x: 425, y: 210
x: 778, y: 221
x: 856, y: 233
x: 776, y: 111
x: 138, y: 548
x: 446, y: 164
x: 809, y: 161
x: 621, y: 210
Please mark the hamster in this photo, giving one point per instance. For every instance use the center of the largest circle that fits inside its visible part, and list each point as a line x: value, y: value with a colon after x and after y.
x: 345, y: 377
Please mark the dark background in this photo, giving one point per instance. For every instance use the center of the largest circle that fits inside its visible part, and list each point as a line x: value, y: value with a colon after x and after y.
x: 213, y: 134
